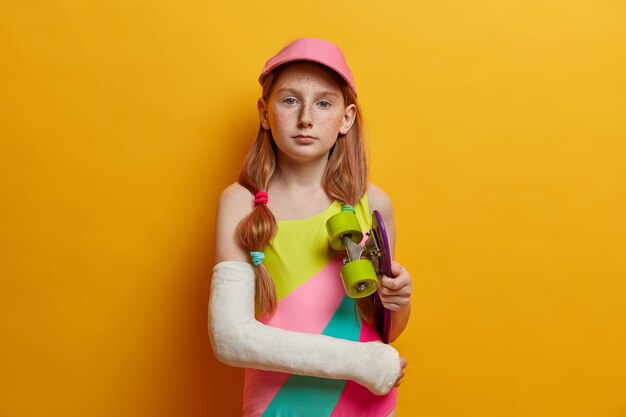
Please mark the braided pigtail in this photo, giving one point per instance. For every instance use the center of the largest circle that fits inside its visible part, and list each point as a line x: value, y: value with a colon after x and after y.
x: 257, y: 229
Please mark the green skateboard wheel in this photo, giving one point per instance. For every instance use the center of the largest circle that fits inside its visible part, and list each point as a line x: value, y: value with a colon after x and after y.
x: 340, y: 225
x: 359, y: 278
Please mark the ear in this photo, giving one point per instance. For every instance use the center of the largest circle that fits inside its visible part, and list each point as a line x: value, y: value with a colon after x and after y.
x: 349, y: 116
x: 262, y: 109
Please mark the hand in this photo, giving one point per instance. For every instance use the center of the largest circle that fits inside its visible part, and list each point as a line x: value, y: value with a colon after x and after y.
x: 403, y: 364
x: 395, y: 293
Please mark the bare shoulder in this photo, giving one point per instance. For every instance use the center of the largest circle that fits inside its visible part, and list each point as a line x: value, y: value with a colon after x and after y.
x: 379, y: 200
x: 234, y: 204
x: 235, y: 195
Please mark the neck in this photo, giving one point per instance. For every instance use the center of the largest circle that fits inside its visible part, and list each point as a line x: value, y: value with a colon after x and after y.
x: 301, y: 176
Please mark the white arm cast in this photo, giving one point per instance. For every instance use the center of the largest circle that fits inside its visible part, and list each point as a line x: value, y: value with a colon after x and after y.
x: 238, y: 339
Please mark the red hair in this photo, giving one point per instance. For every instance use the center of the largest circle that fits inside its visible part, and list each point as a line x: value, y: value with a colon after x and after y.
x: 345, y: 179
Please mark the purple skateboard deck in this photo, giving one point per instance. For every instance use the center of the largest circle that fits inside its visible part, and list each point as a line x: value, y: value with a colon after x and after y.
x: 378, y: 248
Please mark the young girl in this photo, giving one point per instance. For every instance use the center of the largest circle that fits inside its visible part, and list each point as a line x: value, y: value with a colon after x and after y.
x: 278, y: 306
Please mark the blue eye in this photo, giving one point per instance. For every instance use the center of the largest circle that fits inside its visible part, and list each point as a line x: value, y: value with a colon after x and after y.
x: 290, y: 100
x: 325, y: 102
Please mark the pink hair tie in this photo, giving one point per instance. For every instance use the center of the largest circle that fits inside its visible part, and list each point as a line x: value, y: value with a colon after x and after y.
x: 260, y: 198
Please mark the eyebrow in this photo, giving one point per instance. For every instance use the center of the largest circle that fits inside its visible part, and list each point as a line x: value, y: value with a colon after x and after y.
x: 296, y: 91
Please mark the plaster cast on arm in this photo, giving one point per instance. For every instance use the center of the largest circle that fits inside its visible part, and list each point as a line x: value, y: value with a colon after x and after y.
x: 238, y: 339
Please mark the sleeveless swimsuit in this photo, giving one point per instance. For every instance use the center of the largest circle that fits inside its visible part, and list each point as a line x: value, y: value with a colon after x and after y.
x: 311, y: 299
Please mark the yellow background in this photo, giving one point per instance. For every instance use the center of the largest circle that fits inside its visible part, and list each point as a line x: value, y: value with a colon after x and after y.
x: 497, y: 127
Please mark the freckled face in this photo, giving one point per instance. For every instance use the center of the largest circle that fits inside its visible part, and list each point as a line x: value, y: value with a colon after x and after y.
x: 305, y: 112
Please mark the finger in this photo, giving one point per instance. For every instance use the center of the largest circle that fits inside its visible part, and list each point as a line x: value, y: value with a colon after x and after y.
x: 395, y: 306
x: 400, y: 300
x: 393, y: 283
x: 400, y: 281
x: 393, y: 286
x: 395, y: 298
x: 402, y: 296
x: 388, y: 283
x: 404, y: 292
x: 396, y: 268
x: 397, y: 301
x: 403, y: 362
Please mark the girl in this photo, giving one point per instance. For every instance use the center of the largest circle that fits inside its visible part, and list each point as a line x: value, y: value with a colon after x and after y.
x: 309, y: 349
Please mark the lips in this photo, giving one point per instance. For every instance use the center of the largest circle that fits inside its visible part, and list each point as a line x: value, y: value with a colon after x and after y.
x: 304, y: 140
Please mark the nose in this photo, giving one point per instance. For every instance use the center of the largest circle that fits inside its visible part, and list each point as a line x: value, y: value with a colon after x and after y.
x: 305, y: 117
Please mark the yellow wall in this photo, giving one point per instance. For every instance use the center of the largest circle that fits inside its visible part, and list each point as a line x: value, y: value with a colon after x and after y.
x: 498, y: 128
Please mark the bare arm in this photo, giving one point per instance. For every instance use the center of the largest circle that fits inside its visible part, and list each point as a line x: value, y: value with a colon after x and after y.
x: 235, y: 203
x: 394, y: 292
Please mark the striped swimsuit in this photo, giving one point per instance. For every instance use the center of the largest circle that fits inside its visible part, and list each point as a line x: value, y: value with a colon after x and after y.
x: 311, y: 299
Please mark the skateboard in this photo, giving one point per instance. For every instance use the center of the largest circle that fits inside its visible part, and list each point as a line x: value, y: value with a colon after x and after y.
x: 363, y: 264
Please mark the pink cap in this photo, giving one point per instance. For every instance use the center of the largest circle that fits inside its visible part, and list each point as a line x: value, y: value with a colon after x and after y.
x: 311, y: 49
